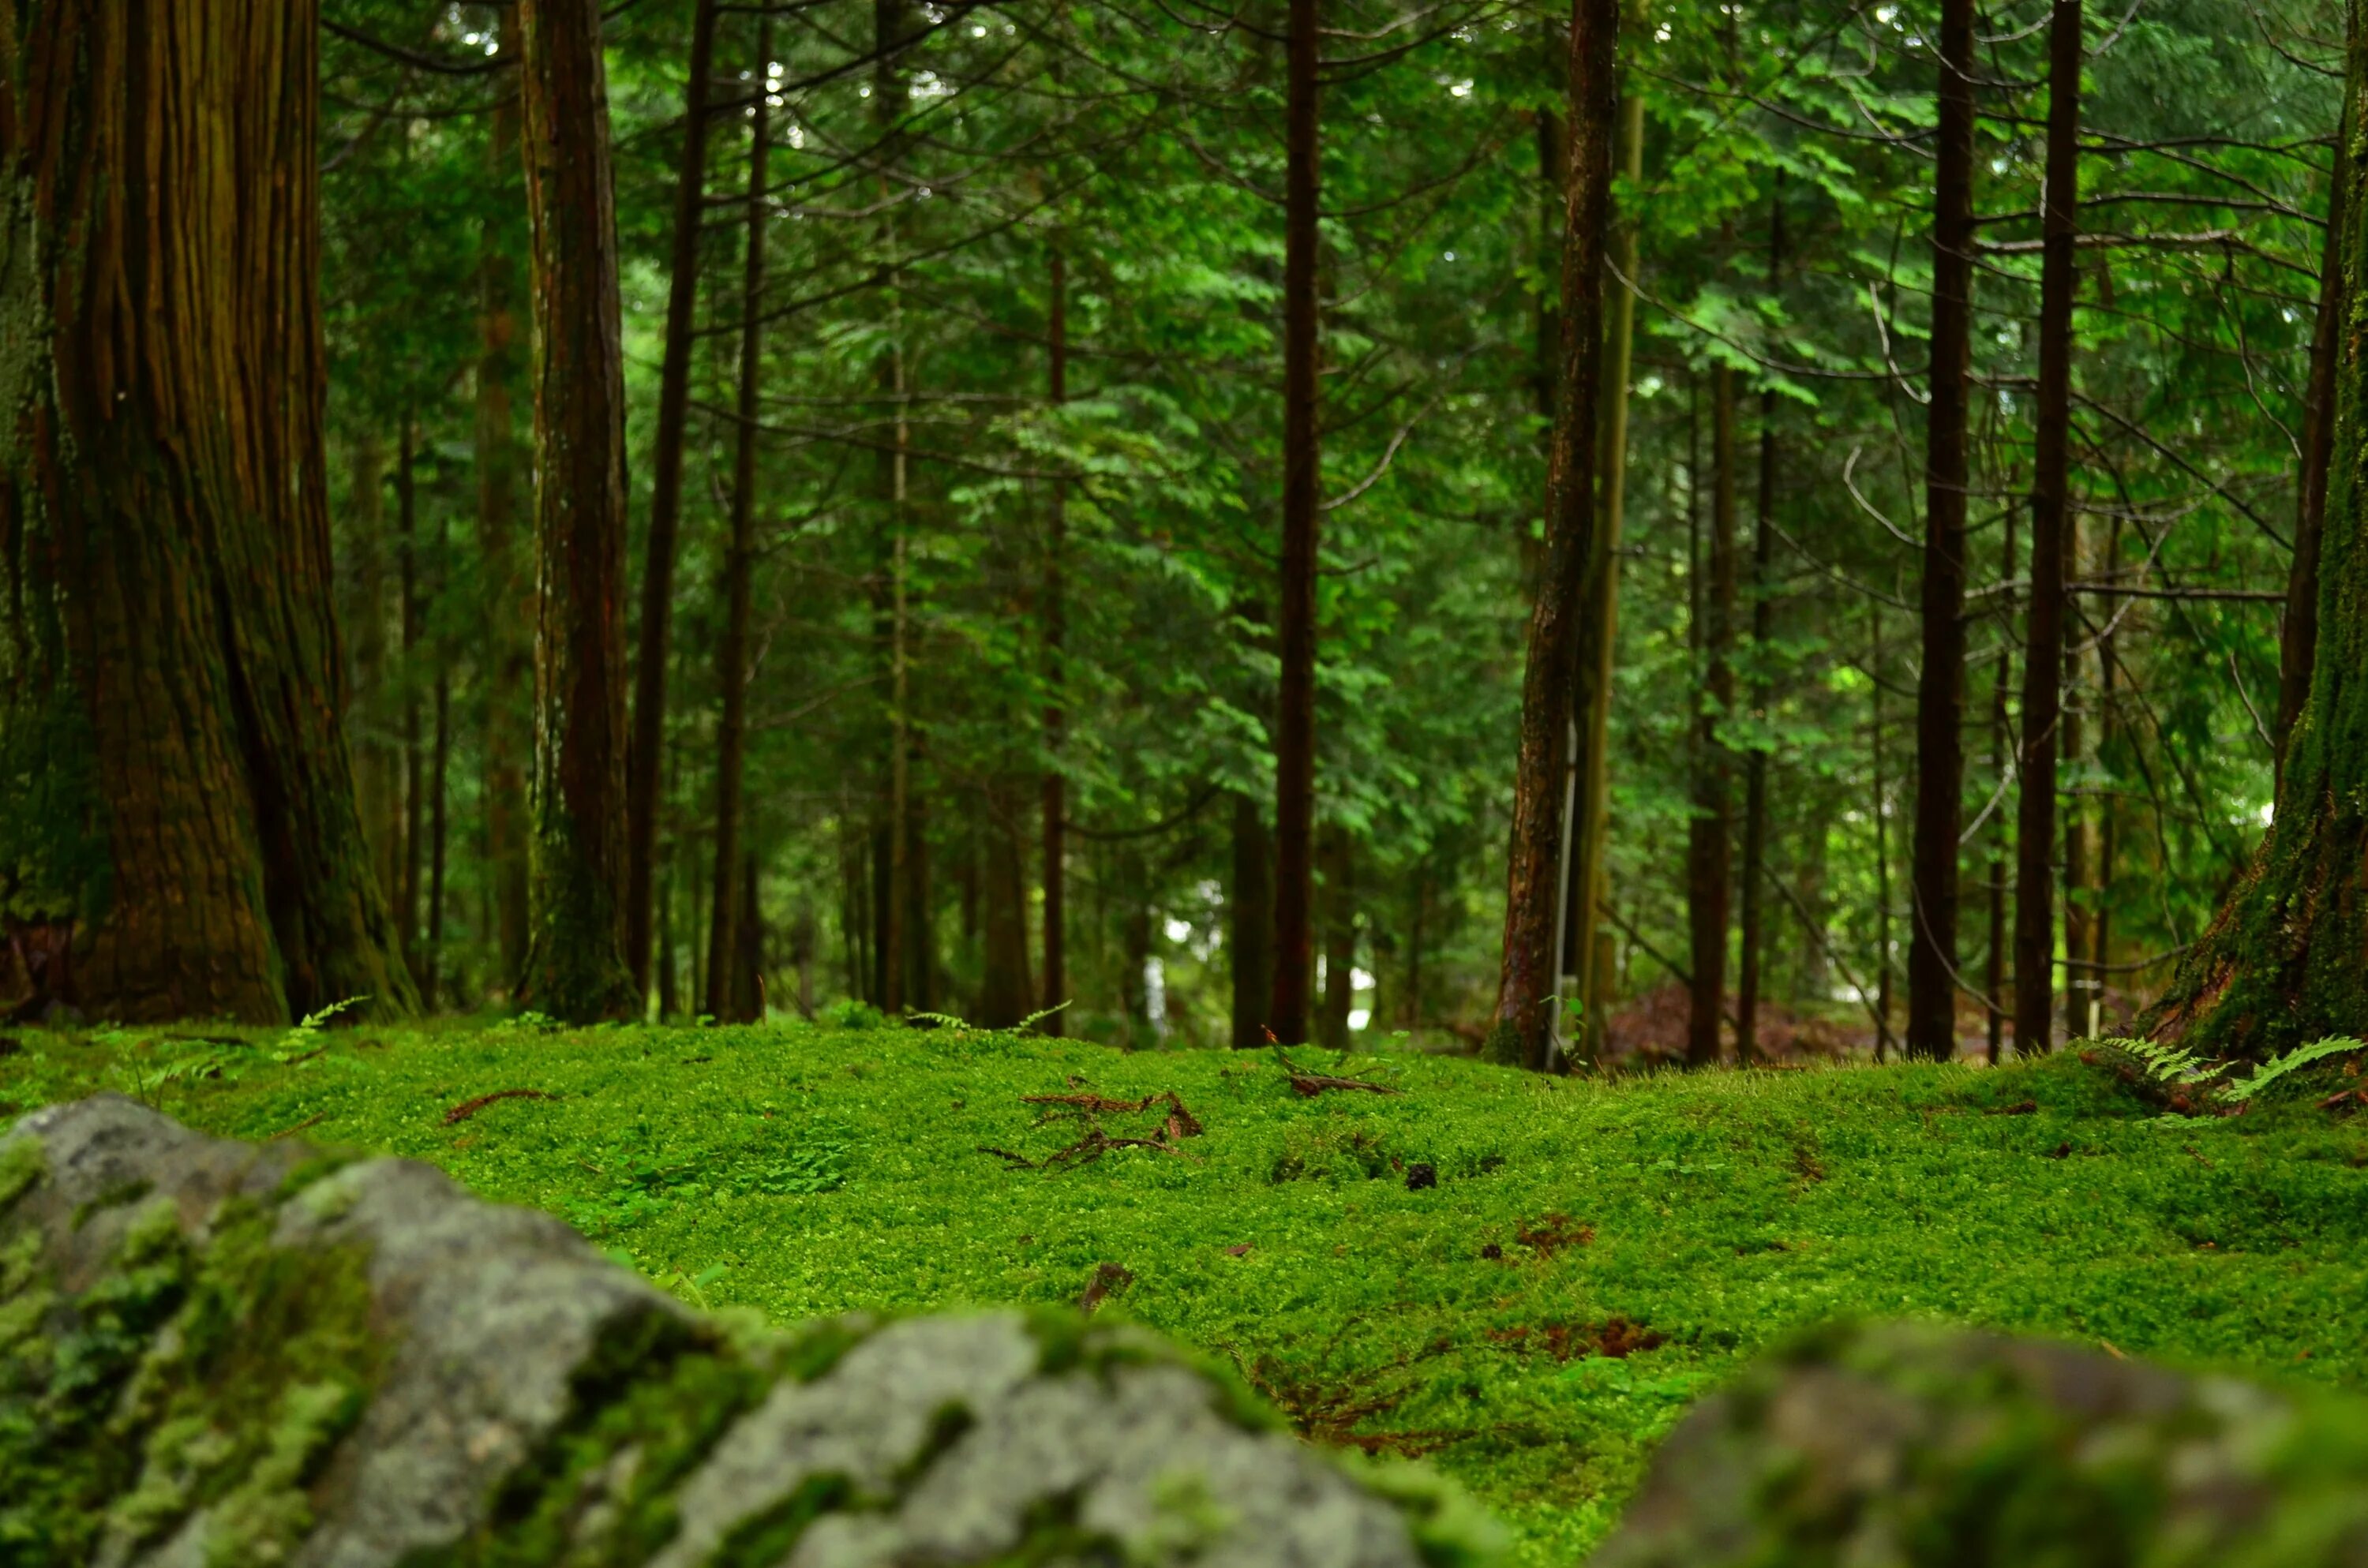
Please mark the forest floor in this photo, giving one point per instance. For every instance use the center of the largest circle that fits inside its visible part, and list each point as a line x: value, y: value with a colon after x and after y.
x: 1524, y: 1279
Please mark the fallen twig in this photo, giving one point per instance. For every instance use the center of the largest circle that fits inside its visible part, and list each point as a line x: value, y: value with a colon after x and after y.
x: 468, y: 1108
x: 1310, y: 1084
x: 1017, y: 1162
x: 311, y: 1122
x: 1107, y: 1281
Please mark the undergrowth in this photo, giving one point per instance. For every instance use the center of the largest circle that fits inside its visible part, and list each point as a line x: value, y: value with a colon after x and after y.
x: 1526, y: 1280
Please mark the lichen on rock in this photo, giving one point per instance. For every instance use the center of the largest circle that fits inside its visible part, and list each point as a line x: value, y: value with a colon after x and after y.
x: 217, y: 1353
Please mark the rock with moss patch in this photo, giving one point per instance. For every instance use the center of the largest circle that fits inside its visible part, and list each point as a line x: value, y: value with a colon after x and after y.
x: 1895, y: 1445
x: 215, y: 1353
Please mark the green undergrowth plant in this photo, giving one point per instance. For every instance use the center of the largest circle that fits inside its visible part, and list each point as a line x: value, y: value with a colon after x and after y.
x: 1526, y: 1280
x: 2178, y: 1068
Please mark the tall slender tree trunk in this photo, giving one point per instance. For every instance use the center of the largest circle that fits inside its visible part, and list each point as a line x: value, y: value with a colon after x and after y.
x: 1882, y: 813
x: 170, y: 652
x: 406, y: 898
x: 665, y: 494
x: 2073, y: 801
x: 740, y: 560
x: 576, y: 967
x: 2002, y: 748
x: 1940, y: 684
x: 2298, y: 636
x: 1303, y: 478
x: 1586, y: 953
x: 509, y: 656
x: 1710, y: 835
x: 1005, y: 995
x: 2043, y: 648
x: 1755, y: 789
x: 431, y: 980
x: 920, y: 908
x: 1054, y: 790
x: 2100, y: 922
x: 1524, y: 1025
x: 1249, y: 929
x: 891, y: 838
x: 745, y: 961
x: 1339, y: 903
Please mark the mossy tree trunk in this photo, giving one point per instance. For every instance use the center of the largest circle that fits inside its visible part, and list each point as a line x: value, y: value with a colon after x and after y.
x: 2284, y: 961
x: 176, y: 784
x: 574, y: 965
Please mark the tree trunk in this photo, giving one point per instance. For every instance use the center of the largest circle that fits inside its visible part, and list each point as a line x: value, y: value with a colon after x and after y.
x: 739, y: 565
x: 431, y: 980
x: 378, y: 788
x: 2074, y: 804
x: 1709, y: 835
x: 406, y: 898
x: 1523, y: 1029
x: 1589, y: 882
x: 746, y: 961
x: 2043, y: 651
x: 170, y: 654
x: 1294, y: 735
x: 510, y: 610
x: 1250, y: 931
x: 1882, y: 832
x: 1940, y: 684
x: 1055, y: 787
x: 1339, y: 904
x: 1755, y: 789
x: 2001, y: 742
x: 576, y: 968
x: 919, y: 921
x: 1005, y: 995
x: 2298, y: 636
x: 665, y: 488
x: 2100, y: 921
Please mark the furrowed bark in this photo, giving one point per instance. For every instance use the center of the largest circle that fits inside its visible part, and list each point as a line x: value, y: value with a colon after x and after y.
x: 2042, y: 667
x: 1523, y: 1027
x: 1940, y: 684
x: 576, y: 968
x: 1303, y: 478
x: 666, y: 498
x: 1710, y: 835
x: 2298, y: 636
x: 739, y: 565
x: 171, y: 657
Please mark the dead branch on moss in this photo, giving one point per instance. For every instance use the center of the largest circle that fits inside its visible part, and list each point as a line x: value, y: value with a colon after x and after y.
x: 1309, y: 1084
x: 468, y: 1108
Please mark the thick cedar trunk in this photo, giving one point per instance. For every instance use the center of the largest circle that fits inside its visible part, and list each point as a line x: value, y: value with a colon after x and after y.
x: 1339, y: 903
x: 576, y: 967
x: 665, y: 494
x: 1755, y: 792
x: 2001, y: 746
x: 1004, y: 996
x: 1249, y: 930
x: 1940, y: 684
x: 1523, y: 1029
x: 1294, y: 735
x: 2298, y: 638
x: 1710, y: 838
x: 170, y: 654
x: 739, y: 563
x: 1055, y: 784
x: 508, y: 645
x: 1589, y: 881
x: 2042, y: 667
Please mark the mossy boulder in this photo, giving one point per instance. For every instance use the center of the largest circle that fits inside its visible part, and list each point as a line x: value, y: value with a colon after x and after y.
x: 1886, y: 1446
x: 217, y: 1353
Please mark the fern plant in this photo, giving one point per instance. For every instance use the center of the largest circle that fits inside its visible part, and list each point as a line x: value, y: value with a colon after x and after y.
x: 2179, y: 1066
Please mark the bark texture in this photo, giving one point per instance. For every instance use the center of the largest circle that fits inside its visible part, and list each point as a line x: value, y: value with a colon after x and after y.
x: 2042, y: 667
x: 2282, y: 963
x: 2298, y: 638
x: 1303, y: 478
x: 1525, y: 985
x: 176, y: 784
x: 576, y: 968
x: 509, y: 646
x: 1940, y: 684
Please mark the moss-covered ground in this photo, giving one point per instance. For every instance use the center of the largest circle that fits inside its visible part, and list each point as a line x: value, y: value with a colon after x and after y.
x: 1526, y: 1280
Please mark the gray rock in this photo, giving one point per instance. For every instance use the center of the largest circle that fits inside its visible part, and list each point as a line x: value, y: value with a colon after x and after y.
x: 1894, y: 1445
x: 216, y: 1353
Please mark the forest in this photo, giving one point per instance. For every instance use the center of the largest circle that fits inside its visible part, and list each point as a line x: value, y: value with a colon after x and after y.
x: 663, y: 662
x: 1661, y: 534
